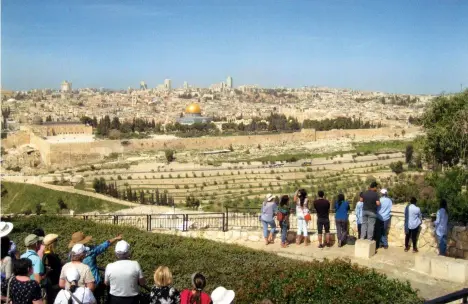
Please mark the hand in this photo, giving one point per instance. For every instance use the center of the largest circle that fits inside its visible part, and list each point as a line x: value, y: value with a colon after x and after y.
x: 118, y: 237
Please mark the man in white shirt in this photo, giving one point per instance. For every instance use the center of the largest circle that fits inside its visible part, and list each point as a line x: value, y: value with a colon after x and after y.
x: 124, y: 277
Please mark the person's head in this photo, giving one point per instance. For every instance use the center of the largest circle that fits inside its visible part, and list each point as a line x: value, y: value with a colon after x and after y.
x: 302, y: 194
x: 321, y: 194
x: 360, y: 197
x: 341, y: 197
x: 5, y: 246
x: 413, y: 200
x: 162, y: 276
x: 49, y: 242
x: 384, y: 192
x: 373, y: 186
x: 33, y: 242
x: 22, y: 267
x: 443, y: 204
x: 73, y: 276
x: 122, y: 250
x: 78, y: 253
x: 39, y: 232
x: 284, y: 200
x: 198, y: 284
x: 269, y: 198
x: 222, y: 296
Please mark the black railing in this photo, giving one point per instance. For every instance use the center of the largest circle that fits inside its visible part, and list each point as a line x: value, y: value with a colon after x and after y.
x: 454, y: 296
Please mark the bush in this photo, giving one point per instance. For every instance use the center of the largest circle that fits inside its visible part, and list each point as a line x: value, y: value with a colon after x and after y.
x: 397, y: 167
x: 169, y: 155
x: 254, y: 275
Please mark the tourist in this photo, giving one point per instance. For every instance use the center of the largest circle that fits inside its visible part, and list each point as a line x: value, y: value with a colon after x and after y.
x: 196, y: 294
x: 358, y: 213
x: 52, y: 262
x: 322, y: 206
x: 74, y: 294
x: 303, y: 216
x: 20, y: 289
x: 383, y: 219
x: 163, y: 292
x: 40, y: 233
x: 6, y: 262
x: 124, y: 276
x: 33, y: 244
x: 77, y: 255
x: 12, y: 252
x: 222, y: 296
x: 341, y: 219
x: 413, y: 217
x: 92, y: 252
x: 283, y: 218
x: 269, y: 209
x: 370, y: 200
x: 440, y: 224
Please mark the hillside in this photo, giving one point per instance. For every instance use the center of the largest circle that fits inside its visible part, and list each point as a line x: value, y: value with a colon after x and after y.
x: 252, y: 274
x: 19, y: 197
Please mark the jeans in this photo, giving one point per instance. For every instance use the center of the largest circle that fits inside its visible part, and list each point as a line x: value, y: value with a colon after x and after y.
x: 359, y: 230
x: 368, y: 224
x: 302, y: 227
x: 381, y: 233
x: 265, y: 228
x: 341, y: 230
x: 442, y: 240
x: 413, y: 234
x: 284, y: 231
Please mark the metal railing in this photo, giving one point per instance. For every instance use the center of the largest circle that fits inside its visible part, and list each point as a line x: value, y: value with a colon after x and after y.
x: 454, y: 296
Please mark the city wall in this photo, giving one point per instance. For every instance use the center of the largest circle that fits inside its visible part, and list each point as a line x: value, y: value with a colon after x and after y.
x: 16, y: 140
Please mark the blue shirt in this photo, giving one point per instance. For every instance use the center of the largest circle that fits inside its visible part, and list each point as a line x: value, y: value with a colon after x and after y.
x: 91, y: 261
x: 358, y: 212
x: 385, y: 208
x: 269, y: 209
x: 414, y: 216
x: 341, y: 211
x: 38, y: 266
x: 441, y: 222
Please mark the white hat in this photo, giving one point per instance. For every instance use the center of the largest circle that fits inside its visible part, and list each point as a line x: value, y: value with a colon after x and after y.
x: 222, y: 296
x: 269, y: 197
x: 78, y: 249
x: 72, y: 274
x: 383, y: 191
x: 5, y: 228
x: 122, y: 247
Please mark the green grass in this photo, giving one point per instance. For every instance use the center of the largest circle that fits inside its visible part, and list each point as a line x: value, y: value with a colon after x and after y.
x: 385, y: 146
x: 254, y: 275
x: 20, y: 197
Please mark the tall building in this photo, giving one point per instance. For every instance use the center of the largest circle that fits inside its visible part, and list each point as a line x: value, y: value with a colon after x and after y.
x: 167, y: 84
x: 66, y: 86
x: 143, y: 86
x: 185, y: 85
x: 229, y: 82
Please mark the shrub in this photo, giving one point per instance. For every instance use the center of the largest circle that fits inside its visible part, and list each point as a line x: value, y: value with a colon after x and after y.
x: 397, y: 167
x: 169, y: 155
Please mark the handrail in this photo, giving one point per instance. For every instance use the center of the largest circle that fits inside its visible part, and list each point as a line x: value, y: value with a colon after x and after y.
x: 457, y: 295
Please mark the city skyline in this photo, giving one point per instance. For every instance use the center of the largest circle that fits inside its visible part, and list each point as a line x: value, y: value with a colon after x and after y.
x: 393, y: 47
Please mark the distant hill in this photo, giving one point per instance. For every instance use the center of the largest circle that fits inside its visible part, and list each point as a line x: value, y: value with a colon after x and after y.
x: 18, y: 198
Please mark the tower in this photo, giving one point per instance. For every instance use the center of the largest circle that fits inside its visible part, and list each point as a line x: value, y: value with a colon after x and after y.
x: 167, y: 84
x: 66, y: 86
x: 143, y: 85
x: 185, y: 85
x: 229, y: 82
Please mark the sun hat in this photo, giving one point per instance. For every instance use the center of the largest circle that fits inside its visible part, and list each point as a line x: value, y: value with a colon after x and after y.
x: 78, y: 249
x: 122, y: 247
x: 5, y: 228
x: 72, y: 274
x: 222, y: 296
x: 50, y: 238
x: 32, y: 239
x: 384, y: 191
x: 269, y: 197
x: 79, y: 238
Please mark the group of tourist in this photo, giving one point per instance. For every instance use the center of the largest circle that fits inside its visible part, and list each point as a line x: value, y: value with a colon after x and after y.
x: 372, y: 211
x: 39, y: 276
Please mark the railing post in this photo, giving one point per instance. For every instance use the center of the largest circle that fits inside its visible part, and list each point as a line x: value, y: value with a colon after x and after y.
x: 148, y: 222
x: 227, y: 219
x: 116, y: 220
x: 185, y: 225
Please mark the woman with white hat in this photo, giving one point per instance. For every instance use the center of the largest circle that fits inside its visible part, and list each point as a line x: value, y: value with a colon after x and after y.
x: 74, y: 294
x: 222, y: 296
x: 269, y: 209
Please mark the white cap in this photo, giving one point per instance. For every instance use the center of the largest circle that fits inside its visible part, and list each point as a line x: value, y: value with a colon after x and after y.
x: 122, y: 247
x: 78, y: 249
x: 222, y: 296
x: 72, y: 275
x: 383, y: 191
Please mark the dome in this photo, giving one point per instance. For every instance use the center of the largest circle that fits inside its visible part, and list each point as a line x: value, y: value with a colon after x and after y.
x: 193, y: 109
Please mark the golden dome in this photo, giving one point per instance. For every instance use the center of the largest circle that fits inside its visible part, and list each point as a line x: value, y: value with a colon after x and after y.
x: 193, y: 109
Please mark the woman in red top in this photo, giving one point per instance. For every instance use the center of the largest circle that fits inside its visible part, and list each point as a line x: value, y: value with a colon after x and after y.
x: 196, y: 294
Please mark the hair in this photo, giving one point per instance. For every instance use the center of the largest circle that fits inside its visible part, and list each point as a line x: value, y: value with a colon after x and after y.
x: 373, y: 185
x: 39, y: 232
x: 162, y: 276
x: 413, y: 200
x: 77, y: 257
x: 340, y: 199
x: 5, y: 246
x: 22, y: 266
x: 321, y: 194
x: 122, y: 255
x: 198, y: 282
x: 284, y: 200
x: 50, y: 247
x: 302, y: 196
x: 443, y: 204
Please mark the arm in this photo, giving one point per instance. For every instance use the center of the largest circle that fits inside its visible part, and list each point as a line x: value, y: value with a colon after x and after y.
x: 437, y: 221
x: 62, y: 283
x: 141, y: 278
x: 377, y: 203
x: 37, y: 278
x: 91, y: 285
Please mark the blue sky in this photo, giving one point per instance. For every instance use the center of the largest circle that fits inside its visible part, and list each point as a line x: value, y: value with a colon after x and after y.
x: 393, y: 46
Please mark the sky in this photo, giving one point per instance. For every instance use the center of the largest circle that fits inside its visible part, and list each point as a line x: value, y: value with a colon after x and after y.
x: 397, y: 46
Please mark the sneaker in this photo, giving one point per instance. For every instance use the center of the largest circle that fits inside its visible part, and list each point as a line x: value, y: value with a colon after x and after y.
x: 320, y: 246
x: 415, y: 250
x: 406, y: 249
x: 385, y: 247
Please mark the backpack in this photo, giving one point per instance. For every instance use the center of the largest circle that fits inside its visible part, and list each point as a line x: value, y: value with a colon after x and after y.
x: 280, y: 216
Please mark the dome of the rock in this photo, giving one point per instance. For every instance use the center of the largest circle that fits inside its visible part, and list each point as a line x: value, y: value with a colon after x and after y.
x: 193, y: 109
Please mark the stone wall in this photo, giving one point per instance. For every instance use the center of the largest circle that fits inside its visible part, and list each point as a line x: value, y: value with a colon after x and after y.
x: 15, y: 140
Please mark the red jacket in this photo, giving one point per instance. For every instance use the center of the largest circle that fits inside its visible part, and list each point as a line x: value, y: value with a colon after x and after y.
x: 187, y: 294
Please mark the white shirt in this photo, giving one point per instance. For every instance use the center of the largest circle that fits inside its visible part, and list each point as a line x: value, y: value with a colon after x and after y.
x: 441, y: 222
x: 83, y: 294
x: 123, y: 276
x: 414, y: 216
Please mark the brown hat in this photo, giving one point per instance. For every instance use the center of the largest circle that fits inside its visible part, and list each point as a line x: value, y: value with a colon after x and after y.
x: 79, y: 238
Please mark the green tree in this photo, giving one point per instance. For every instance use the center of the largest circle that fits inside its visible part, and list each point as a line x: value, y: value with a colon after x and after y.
x: 409, y: 154
x: 397, y: 167
x: 169, y: 155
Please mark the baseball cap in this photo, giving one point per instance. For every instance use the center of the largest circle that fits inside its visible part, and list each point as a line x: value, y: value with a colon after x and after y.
x: 122, y: 247
x: 384, y: 191
x: 78, y: 249
x: 72, y: 274
x: 32, y: 239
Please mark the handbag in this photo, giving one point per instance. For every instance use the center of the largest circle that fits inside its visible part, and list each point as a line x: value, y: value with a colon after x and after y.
x: 307, y: 216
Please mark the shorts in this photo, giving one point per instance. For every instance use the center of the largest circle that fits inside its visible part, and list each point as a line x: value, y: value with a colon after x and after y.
x: 321, y: 223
